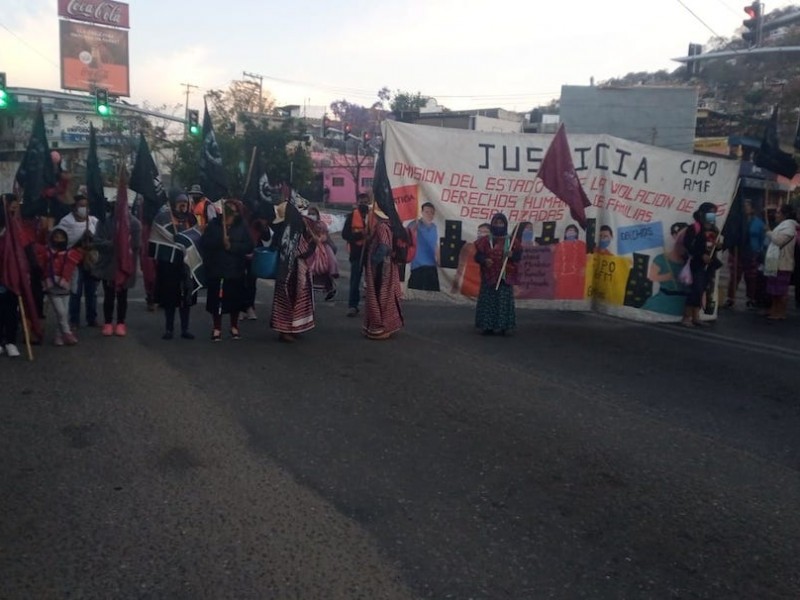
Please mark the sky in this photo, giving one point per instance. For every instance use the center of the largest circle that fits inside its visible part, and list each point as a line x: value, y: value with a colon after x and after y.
x: 513, y: 54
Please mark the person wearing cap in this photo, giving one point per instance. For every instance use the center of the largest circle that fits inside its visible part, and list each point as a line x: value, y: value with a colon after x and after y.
x: 354, y: 233
x: 105, y: 269
x: 173, y: 285
x: 80, y: 227
x: 383, y: 315
x: 203, y: 209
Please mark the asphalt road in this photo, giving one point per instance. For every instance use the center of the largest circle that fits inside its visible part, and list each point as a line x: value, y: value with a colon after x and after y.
x: 584, y: 457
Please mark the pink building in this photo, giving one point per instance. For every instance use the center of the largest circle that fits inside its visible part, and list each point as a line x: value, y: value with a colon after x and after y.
x: 343, y: 175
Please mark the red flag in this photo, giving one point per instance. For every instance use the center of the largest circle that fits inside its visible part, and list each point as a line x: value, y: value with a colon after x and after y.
x: 558, y: 174
x: 15, y: 271
x: 123, y: 255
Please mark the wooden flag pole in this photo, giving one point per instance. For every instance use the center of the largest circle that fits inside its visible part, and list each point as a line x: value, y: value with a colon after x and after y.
x: 25, y: 330
x: 250, y: 170
x: 505, y: 260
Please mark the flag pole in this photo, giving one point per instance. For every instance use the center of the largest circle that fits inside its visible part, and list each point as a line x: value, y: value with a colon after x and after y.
x: 249, y: 170
x: 505, y: 260
x: 25, y: 330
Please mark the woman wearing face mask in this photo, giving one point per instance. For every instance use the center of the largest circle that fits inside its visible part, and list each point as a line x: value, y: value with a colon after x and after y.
x: 173, y: 282
x: 569, y: 266
x: 779, y: 262
x: 604, y: 238
x: 80, y: 227
x: 58, y: 264
x: 494, y: 312
x: 225, y: 244
x: 700, y: 241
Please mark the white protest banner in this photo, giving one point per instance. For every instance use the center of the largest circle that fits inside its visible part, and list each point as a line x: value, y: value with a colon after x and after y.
x: 625, y: 263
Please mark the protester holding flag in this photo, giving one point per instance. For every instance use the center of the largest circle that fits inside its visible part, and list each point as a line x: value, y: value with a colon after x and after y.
x: 745, y: 251
x: 174, y: 288
x: 383, y: 315
x: 225, y: 245
x: 80, y: 227
x: 497, y: 254
x: 119, y: 233
x: 293, y: 299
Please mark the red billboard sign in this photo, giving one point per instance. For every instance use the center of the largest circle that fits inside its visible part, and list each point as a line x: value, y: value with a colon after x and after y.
x: 94, y: 57
x: 101, y: 12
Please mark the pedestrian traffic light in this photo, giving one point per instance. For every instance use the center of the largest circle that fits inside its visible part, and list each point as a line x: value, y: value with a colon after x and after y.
x: 101, y: 102
x: 366, y: 137
x: 193, y: 122
x: 347, y: 130
x: 326, y: 124
x: 3, y: 92
x: 753, y: 27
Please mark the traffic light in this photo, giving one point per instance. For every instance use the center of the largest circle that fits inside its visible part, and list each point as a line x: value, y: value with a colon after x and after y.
x: 753, y: 24
x: 3, y: 92
x: 101, y: 102
x: 347, y: 129
x: 326, y: 124
x: 366, y: 137
x: 193, y: 122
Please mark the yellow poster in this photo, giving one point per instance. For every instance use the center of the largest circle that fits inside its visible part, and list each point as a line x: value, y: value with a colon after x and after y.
x: 609, y: 276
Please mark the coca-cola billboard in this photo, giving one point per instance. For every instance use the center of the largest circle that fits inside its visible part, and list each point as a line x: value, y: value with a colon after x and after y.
x: 102, y: 12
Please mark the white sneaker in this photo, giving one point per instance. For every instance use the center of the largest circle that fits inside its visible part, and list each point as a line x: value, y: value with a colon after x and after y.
x: 12, y: 351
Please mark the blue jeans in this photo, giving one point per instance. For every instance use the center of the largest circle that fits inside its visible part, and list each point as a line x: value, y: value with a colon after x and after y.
x: 355, y: 283
x: 87, y: 285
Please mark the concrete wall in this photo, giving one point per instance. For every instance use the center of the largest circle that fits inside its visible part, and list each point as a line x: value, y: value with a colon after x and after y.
x: 659, y: 116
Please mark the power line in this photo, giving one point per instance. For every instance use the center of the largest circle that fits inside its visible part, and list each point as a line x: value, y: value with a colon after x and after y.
x: 706, y: 25
x: 47, y: 58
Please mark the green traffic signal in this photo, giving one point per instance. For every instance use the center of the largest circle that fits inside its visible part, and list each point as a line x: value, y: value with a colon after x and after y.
x: 102, y: 110
x: 3, y: 99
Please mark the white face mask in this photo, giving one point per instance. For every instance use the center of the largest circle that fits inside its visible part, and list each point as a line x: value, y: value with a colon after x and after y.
x: 314, y: 217
x: 82, y: 212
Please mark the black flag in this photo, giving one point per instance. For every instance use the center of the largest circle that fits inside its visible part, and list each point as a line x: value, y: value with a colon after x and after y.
x: 382, y: 190
x: 770, y: 156
x: 257, y: 196
x: 94, y: 179
x: 212, y: 173
x: 734, y: 233
x: 146, y: 181
x: 36, y: 172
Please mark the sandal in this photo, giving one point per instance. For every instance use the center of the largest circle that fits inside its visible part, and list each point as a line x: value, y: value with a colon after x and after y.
x: 216, y: 335
x: 235, y: 334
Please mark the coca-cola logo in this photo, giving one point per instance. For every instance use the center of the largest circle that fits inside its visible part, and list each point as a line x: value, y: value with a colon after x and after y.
x: 96, y: 11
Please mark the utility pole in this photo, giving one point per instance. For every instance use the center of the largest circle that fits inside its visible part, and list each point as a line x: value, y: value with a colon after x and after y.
x: 188, y: 87
x: 260, y: 79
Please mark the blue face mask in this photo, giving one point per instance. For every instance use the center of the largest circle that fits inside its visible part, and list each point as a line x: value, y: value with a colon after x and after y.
x: 604, y: 244
x: 711, y: 218
x: 527, y: 236
x: 571, y: 236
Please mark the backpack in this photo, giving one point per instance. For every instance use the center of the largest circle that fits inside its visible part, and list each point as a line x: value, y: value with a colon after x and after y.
x: 404, y: 250
x: 680, y: 239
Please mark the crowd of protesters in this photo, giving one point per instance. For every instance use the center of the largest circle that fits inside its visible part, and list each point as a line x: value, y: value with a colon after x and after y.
x: 65, y: 260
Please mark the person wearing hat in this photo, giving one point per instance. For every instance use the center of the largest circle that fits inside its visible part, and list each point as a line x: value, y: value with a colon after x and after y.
x: 203, y: 209
x: 383, y: 315
x: 105, y: 269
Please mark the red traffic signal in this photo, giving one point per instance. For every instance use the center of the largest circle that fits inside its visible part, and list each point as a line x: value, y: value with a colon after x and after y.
x: 753, y: 24
x: 326, y: 123
x: 348, y: 129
